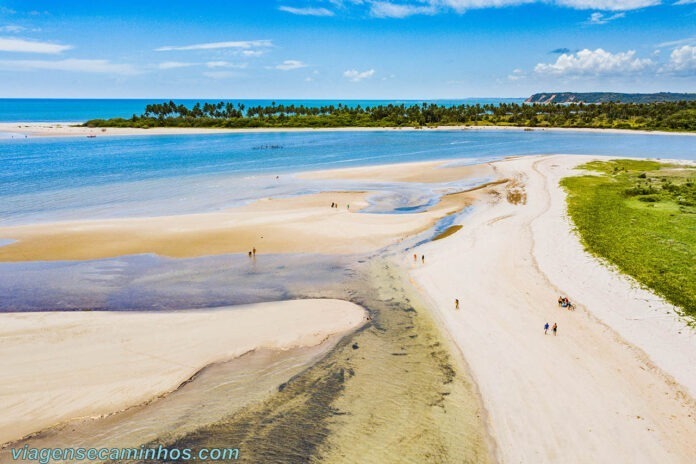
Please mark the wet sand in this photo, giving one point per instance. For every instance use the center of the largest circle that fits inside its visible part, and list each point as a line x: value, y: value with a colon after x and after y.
x: 212, y: 394
x: 390, y: 393
x: 301, y: 224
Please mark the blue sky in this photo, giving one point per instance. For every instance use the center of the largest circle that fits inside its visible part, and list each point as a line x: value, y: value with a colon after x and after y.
x: 344, y: 48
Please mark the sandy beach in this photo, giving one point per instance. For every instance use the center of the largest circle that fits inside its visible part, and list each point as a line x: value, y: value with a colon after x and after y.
x: 75, y: 129
x: 615, y: 385
x: 65, y: 365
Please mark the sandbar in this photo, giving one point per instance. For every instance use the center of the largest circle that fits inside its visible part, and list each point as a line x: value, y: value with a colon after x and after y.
x: 59, y: 366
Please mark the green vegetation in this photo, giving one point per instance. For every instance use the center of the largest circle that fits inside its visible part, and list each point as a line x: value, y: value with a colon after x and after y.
x: 668, y: 116
x: 606, y: 97
x: 641, y: 216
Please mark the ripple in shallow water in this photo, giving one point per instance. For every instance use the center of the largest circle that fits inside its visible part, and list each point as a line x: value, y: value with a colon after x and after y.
x: 149, y: 282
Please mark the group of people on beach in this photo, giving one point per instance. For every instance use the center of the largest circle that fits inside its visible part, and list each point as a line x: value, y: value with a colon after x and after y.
x: 564, y: 302
x: 415, y: 258
x: 335, y: 205
x: 252, y: 253
x: 554, y: 328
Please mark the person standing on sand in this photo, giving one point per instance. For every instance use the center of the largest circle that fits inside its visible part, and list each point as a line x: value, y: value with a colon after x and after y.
x: 555, y: 328
x: 456, y: 303
x: 415, y: 257
x: 254, y: 251
x: 250, y: 254
x: 546, y: 328
x: 423, y: 259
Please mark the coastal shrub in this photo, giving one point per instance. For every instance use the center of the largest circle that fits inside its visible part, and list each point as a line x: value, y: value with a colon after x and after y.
x: 654, y: 243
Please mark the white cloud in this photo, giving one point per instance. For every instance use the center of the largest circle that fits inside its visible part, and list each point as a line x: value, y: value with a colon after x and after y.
x: 307, y: 11
x: 240, y: 44
x: 601, y: 18
x: 405, y: 8
x: 289, y: 65
x: 683, y: 59
x: 12, y: 28
x: 174, y: 65
x: 516, y: 75
x: 10, y: 44
x: 673, y: 43
x: 607, y: 5
x: 225, y: 64
x: 685, y: 2
x: 393, y: 10
x: 221, y: 74
x: 356, y: 76
x: 74, y: 65
x: 252, y: 53
x: 595, y: 62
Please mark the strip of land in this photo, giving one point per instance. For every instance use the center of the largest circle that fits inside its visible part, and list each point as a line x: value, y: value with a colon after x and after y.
x: 19, y: 130
x: 59, y: 366
x: 617, y: 383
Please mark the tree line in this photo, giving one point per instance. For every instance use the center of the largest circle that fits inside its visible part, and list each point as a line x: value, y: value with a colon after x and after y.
x: 669, y: 116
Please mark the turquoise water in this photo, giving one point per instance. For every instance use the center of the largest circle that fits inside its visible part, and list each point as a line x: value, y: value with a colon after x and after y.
x: 43, y: 110
x: 49, y: 178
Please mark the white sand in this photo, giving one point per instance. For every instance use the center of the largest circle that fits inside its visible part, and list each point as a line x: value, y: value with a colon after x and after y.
x: 587, y: 395
x: 62, y: 365
x: 74, y: 129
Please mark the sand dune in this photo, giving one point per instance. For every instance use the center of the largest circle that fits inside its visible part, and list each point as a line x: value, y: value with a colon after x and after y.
x: 63, y: 365
x: 586, y: 395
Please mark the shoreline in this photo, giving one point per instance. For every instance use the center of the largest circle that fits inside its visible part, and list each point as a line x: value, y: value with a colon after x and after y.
x: 68, y: 129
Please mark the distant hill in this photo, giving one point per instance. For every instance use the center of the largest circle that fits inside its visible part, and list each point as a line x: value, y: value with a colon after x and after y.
x: 605, y: 97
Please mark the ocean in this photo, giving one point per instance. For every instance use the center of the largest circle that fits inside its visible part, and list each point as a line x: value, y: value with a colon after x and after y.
x: 80, y: 110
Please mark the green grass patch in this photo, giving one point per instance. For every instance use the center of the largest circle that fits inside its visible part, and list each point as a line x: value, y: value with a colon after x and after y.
x: 640, y: 216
